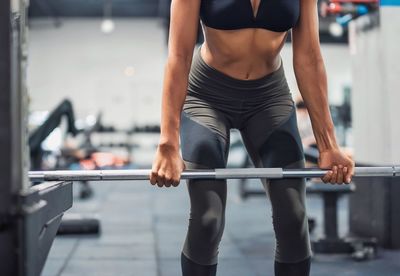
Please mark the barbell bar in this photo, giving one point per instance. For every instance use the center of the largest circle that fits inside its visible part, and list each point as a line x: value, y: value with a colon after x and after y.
x: 230, y: 173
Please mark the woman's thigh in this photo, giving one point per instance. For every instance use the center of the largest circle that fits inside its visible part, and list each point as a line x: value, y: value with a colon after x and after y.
x: 204, y: 134
x: 280, y: 147
x: 271, y: 142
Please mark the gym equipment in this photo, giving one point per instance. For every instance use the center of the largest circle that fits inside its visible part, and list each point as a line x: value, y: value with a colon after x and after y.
x: 72, y: 224
x: 92, y: 225
x: 331, y: 243
x: 360, y: 248
x: 347, y: 10
x: 42, y: 210
x: 272, y: 173
x: 29, y: 216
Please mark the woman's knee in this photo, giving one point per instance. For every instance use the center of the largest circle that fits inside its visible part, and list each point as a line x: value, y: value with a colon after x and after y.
x: 212, y: 227
x: 290, y: 225
x: 204, y: 235
x: 207, y: 223
x: 292, y: 237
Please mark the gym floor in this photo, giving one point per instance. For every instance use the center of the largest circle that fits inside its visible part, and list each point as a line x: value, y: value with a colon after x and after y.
x: 143, y: 230
x: 143, y: 227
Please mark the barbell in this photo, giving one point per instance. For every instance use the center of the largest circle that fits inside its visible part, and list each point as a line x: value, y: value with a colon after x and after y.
x: 230, y: 173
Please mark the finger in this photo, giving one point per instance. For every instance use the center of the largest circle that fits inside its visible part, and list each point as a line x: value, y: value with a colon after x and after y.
x: 175, y: 183
x: 334, y: 175
x: 160, y: 180
x: 327, y: 177
x: 168, y: 181
x: 340, y: 175
x: 350, y: 174
x: 345, y: 174
x: 153, y: 178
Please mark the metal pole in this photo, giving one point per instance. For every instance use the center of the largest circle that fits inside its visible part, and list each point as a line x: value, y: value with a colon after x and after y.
x: 37, y: 176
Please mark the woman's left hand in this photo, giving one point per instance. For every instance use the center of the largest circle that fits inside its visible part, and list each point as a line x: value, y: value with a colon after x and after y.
x: 341, y: 166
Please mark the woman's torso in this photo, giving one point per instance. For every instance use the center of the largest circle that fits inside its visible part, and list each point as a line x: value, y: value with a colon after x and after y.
x: 243, y: 38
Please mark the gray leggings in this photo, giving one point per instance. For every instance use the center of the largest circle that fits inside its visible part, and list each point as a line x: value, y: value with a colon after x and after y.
x: 264, y: 113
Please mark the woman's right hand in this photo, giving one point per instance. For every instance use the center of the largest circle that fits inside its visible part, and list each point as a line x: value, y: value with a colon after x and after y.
x: 167, y: 167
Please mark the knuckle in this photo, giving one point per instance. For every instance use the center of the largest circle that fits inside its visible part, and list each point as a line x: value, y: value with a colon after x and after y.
x: 161, y: 172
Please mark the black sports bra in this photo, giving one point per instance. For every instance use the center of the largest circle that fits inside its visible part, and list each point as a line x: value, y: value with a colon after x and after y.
x: 273, y: 15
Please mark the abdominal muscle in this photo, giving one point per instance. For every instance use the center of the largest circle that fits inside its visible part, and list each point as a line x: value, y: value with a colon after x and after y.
x: 244, y: 54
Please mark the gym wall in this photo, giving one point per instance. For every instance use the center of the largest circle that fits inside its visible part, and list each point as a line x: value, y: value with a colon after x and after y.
x: 375, y: 208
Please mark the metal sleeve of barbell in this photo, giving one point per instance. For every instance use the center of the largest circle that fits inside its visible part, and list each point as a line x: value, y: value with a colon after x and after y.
x: 396, y: 171
x: 249, y: 173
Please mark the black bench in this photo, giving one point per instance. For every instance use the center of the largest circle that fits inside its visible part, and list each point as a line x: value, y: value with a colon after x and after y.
x: 330, y: 242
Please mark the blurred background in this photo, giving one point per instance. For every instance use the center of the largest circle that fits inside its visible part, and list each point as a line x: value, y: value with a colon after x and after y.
x: 94, y: 72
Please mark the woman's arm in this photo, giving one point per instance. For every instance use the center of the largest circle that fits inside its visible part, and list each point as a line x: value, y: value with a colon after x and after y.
x: 311, y: 78
x: 168, y: 164
x: 310, y: 74
x: 182, y: 38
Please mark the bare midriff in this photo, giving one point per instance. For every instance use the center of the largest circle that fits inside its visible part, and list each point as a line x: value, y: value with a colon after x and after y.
x: 244, y: 54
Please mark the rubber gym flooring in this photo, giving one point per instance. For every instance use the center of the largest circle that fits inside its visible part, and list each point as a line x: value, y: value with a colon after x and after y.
x: 143, y: 230
x: 143, y: 227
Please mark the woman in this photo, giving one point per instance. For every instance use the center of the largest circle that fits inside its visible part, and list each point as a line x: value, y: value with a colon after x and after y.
x: 236, y: 80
